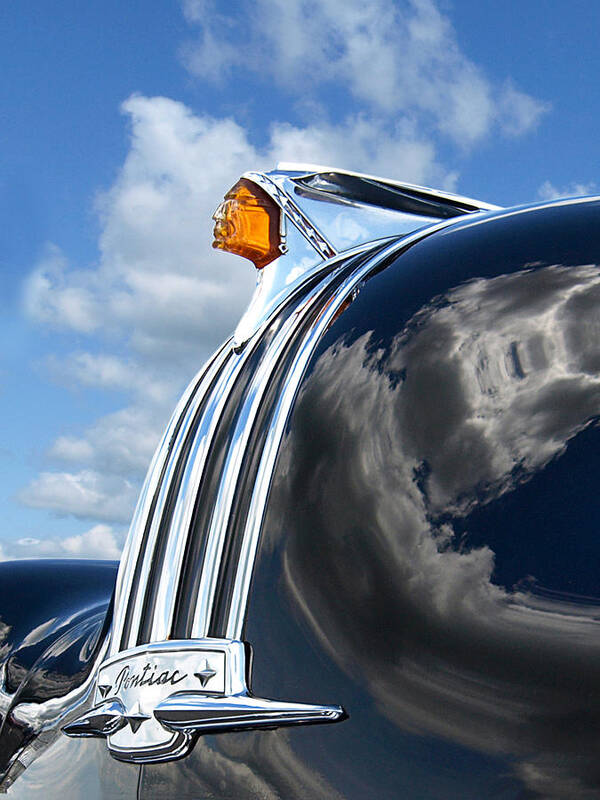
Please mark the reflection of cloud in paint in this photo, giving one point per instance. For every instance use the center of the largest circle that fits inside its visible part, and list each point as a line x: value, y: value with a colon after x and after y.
x: 511, y: 346
x: 480, y: 391
x: 246, y: 767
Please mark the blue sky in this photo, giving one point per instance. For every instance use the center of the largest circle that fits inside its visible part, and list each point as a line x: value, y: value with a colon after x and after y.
x: 124, y: 123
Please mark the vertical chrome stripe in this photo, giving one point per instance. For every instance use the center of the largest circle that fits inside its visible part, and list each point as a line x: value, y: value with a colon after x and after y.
x: 137, y: 594
x: 232, y: 467
x: 138, y: 524
x: 267, y: 463
x: 186, y: 498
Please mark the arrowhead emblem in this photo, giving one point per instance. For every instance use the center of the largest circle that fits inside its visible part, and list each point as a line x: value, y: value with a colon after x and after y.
x: 135, y: 717
x: 104, y: 690
x: 205, y: 674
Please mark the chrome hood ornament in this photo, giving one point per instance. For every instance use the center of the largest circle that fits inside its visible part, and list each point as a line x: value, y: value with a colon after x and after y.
x: 329, y: 213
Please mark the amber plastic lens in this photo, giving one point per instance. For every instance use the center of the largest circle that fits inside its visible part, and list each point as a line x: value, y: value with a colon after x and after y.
x: 247, y: 224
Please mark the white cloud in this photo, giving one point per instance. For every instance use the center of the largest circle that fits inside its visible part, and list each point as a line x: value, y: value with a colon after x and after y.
x: 157, y: 282
x: 158, y: 301
x: 111, y: 373
x: 86, y: 494
x: 60, y: 298
x: 101, y: 541
x: 548, y: 191
x: 394, y: 59
x: 121, y: 443
x: 519, y: 112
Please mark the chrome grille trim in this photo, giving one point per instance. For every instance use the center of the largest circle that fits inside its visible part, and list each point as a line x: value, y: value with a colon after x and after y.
x: 137, y: 598
x: 232, y: 467
x: 182, y: 516
x: 202, y: 405
x: 256, y: 513
x: 134, y: 543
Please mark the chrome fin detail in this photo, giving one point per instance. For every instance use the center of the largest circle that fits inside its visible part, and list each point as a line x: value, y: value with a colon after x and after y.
x: 194, y: 713
x: 101, y: 721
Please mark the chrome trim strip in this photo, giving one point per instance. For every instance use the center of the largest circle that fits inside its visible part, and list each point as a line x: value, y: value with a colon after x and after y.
x: 281, y: 414
x: 193, y: 713
x: 130, y: 553
x: 233, y: 463
x: 179, y: 530
x: 136, y: 599
x: 101, y: 721
x: 295, y: 214
x: 307, y: 170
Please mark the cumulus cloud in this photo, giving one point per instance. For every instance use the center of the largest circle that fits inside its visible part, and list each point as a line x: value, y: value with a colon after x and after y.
x: 60, y: 298
x: 101, y: 541
x: 86, y: 494
x: 158, y: 301
x: 393, y: 58
x: 112, y: 373
x: 120, y: 444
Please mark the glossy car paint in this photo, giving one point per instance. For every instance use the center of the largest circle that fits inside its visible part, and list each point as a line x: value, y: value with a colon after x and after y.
x: 54, y: 619
x: 429, y: 559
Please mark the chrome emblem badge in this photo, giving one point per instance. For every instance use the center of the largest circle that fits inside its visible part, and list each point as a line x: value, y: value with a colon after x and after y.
x: 152, y: 702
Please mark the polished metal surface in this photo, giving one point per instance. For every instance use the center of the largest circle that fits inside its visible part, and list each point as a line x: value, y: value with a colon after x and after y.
x: 146, y: 548
x: 135, y: 540
x: 103, y: 720
x: 209, y: 395
x: 281, y: 278
x: 350, y: 208
x: 323, y: 223
x: 233, y: 463
x: 469, y: 203
x: 186, y: 498
x: 134, y: 731
x: 403, y: 587
x: 191, y: 713
x: 430, y: 546
x: 294, y: 213
x: 162, y: 695
x: 150, y: 579
x: 44, y: 721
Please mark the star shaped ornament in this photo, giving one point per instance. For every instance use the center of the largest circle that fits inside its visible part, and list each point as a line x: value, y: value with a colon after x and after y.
x: 136, y: 717
x: 205, y: 673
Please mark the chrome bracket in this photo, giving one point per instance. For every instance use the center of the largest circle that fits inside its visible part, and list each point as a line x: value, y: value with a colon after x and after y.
x: 293, y: 211
x: 153, y: 701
